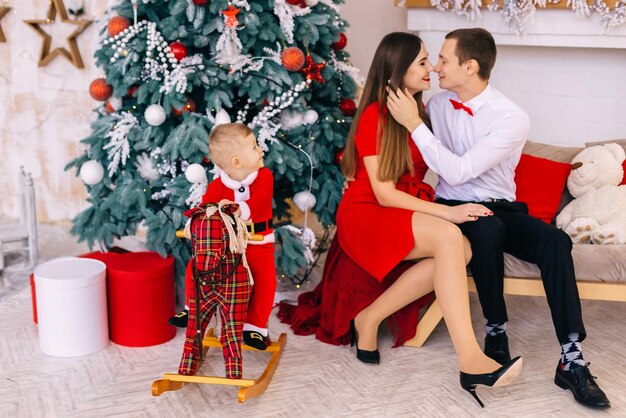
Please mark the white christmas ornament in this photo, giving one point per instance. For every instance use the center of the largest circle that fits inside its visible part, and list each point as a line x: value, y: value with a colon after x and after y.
x: 290, y: 119
x: 304, y: 200
x: 195, y: 174
x: 91, y: 172
x: 310, y: 117
x: 221, y: 117
x: 155, y: 115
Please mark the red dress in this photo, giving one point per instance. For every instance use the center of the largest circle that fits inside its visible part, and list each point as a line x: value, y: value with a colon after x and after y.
x: 378, y: 238
x: 375, y: 237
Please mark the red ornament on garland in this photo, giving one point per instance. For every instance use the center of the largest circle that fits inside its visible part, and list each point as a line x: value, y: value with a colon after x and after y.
x: 178, y: 49
x: 292, y: 58
x: 200, y: 2
x: 100, y: 90
x: 190, y: 106
x: 347, y: 106
x: 313, y: 71
x: 341, y: 43
x: 339, y: 156
x: 132, y: 90
x: 117, y: 24
x: 295, y: 2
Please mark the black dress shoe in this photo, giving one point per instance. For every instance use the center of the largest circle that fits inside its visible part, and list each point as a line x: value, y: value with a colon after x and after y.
x: 497, y: 348
x: 501, y: 377
x: 582, y: 384
x: 179, y: 320
x: 256, y: 340
x: 366, y: 356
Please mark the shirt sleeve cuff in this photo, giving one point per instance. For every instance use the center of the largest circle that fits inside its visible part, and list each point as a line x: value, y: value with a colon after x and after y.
x: 245, y: 211
x: 422, y: 135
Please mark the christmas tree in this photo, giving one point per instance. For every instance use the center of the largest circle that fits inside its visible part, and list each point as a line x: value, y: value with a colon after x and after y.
x: 172, y: 70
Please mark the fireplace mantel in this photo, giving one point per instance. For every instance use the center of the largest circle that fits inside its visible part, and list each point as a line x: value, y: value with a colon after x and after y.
x: 548, y: 28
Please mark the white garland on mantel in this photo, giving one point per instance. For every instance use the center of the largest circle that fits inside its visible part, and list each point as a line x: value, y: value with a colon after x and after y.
x: 517, y: 12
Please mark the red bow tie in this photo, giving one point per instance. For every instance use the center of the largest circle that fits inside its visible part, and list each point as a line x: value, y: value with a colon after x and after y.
x: 459, y: 105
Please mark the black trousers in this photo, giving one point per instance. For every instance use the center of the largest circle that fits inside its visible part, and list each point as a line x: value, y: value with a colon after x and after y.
x: 513, y: 231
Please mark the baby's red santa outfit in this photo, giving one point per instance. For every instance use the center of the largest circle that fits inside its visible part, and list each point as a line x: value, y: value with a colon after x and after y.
x: 254, y: 195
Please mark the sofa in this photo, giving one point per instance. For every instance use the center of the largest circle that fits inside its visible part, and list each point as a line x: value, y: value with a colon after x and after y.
x: 600, y: 269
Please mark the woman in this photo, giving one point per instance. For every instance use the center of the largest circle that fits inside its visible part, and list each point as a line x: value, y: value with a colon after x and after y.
x: 381, y: 222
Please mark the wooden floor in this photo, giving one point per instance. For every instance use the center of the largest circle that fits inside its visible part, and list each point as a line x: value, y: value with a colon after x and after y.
x: 313, y: 379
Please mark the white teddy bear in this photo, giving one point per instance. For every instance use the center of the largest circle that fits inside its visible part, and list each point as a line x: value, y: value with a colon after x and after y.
x: 598, y: 214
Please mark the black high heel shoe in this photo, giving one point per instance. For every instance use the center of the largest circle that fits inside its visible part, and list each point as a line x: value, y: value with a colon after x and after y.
x: 370, y: 357
x: 501, y: 377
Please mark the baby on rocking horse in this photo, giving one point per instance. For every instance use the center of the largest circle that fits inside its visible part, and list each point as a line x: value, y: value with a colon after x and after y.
x: 244, y: 180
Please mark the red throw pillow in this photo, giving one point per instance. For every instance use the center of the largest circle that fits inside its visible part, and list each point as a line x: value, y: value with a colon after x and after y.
x: 624, y: 178
x: 540, y: 183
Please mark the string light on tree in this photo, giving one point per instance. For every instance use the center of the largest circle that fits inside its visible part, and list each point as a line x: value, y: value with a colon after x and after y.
x: 190, y: 106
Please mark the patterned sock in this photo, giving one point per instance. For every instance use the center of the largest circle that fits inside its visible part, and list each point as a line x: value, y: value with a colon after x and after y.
x: 495, y: 329
x: 571, y: 352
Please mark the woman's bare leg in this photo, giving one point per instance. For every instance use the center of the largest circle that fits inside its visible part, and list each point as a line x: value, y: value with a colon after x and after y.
x: 443, y: 242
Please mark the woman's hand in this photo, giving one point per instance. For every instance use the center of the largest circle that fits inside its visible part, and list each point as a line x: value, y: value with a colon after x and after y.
x: 466, y: 213
x: 403, y: 108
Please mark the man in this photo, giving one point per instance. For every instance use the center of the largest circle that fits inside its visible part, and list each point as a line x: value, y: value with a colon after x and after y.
x: 477, y: 143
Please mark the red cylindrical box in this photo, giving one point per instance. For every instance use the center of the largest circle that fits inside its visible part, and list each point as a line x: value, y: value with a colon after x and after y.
x: 140, y: 289
x: 33, y: 297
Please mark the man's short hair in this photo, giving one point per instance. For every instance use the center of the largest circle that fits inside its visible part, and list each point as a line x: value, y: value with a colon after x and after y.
x: 478, y: 44
x: 225, y: 140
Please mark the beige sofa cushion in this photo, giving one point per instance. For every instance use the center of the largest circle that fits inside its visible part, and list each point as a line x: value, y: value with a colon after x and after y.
x: 597, y: 263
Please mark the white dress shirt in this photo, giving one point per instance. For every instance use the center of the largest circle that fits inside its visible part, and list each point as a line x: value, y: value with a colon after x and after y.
x: 474, y: 156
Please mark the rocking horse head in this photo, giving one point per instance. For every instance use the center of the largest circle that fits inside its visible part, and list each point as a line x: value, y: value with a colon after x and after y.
x: 218, y: 236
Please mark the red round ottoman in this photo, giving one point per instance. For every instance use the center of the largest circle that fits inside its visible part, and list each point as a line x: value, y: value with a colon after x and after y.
x: 140, y: 289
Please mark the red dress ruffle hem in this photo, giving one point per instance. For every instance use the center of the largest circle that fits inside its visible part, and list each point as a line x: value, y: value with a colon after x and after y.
x: 345, y: 290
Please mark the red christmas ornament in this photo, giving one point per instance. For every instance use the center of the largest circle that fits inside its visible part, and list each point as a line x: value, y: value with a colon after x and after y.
x: 200, y: 2
x: 190, y: 106
x: 313, y: 71
x: 230, y: 16
x: 100, y: 90
x: 341, y: 43
x: 347, y: 106
x: 117, y: 24
x: 295, y: 2
x: 292, y: 58
x: 178, y: 49
x: 339, y: 156
x: 131, y: 91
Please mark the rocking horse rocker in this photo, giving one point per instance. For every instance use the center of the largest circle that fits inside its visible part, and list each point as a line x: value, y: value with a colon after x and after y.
x: 221, y: 284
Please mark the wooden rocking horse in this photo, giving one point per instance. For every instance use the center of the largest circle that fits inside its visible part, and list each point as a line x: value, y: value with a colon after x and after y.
x: 222, y: 285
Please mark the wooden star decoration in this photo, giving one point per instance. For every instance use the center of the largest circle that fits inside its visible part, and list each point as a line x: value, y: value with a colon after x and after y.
x: 3, y: 11
x: 73, y: 55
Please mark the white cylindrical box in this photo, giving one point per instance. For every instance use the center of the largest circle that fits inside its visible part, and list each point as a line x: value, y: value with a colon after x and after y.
x: 72, y: 306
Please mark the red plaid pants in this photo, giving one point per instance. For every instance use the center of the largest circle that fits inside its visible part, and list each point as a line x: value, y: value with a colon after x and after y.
x: 230, y: 299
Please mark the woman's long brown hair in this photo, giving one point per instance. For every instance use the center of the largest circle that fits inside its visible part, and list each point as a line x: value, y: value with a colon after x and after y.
x: 394, y: 55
